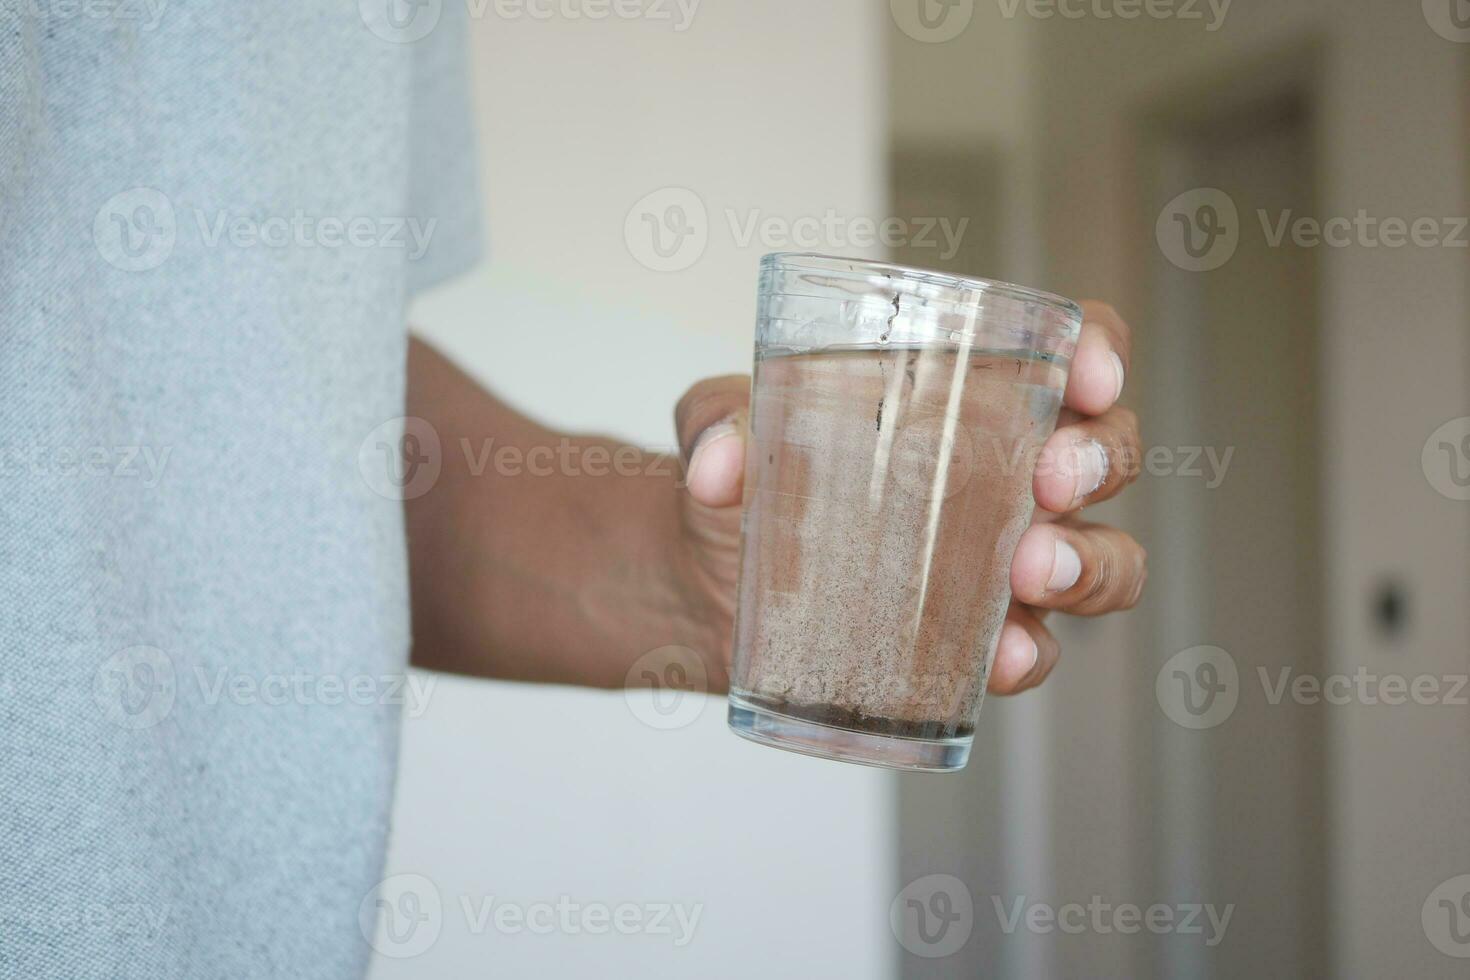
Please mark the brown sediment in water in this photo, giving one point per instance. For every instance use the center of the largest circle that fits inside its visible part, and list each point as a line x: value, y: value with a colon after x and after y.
x: 856, y: 720
x: 885, y: 496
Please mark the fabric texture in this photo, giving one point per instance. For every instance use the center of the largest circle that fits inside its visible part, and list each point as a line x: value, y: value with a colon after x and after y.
x: 207, y: 240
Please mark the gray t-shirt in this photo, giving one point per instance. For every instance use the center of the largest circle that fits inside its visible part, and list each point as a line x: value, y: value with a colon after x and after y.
x: 211, y: 217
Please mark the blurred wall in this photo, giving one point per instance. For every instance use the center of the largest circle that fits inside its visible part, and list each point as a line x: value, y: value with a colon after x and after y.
x: 1385, y: 87
x: 763, y: 110
x: 1328, y: 827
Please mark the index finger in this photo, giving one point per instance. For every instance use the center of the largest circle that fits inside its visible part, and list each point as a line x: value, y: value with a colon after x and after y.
x: 1104, y: 354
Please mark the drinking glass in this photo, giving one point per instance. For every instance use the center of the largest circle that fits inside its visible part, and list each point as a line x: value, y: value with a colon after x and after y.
x: 895, y: 420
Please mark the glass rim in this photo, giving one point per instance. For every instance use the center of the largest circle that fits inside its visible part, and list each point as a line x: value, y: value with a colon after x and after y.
x: 874, y: 269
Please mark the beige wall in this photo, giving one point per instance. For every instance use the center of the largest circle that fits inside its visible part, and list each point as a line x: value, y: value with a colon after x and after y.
x: 1083, y: 788
x: 1394, y: 358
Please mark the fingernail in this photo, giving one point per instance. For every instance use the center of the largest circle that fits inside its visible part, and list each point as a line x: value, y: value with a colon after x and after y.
x: 1118, y: 372
x: 708, y: 437
x: 1022, y: 647
x: 1066, y: 567
x: 1092, y: 469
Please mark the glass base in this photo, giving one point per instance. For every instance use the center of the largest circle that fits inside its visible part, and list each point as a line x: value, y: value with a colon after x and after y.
x: 844, y: 745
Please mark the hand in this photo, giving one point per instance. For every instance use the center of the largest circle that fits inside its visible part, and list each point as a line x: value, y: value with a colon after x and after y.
x: 1061, y: 562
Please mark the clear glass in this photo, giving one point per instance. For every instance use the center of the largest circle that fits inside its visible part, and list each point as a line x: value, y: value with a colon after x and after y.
x: 895, y: 420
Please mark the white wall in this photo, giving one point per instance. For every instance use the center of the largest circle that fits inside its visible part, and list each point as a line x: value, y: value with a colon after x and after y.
x: 530, y: 794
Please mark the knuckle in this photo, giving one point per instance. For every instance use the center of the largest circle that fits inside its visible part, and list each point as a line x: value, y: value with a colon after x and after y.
x: 1139, y: 578
x: 699, y: 407
x: 1107, y: 314
x: 1100, y: 584
x: 713, y: 395
x: 1129, y: 448
x: 686, y: 403
x: 1048, y: 654
x: 1051, y: 649
x: 1127, y: 422
x: 1142, y: 575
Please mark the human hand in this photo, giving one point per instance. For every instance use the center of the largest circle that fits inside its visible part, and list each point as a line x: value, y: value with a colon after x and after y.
x: 1061, y: 562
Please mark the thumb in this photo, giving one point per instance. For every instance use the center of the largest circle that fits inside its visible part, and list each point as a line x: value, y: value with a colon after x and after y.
x: 711, y: 422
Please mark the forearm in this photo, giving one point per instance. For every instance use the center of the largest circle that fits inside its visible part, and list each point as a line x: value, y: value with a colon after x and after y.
x: 538, y: 556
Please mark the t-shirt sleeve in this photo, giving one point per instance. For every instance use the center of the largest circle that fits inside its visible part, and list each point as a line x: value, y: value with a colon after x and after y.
x: 443, y: 185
